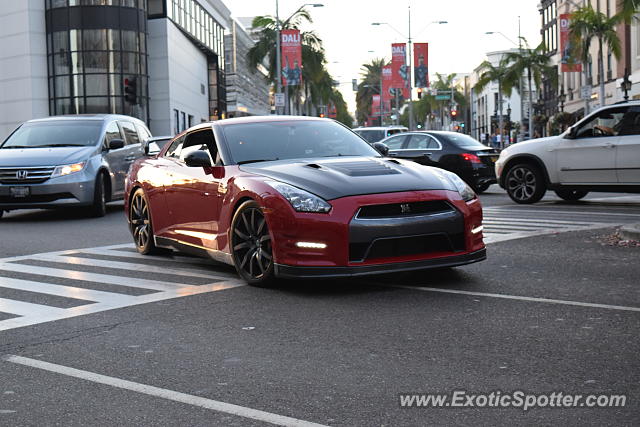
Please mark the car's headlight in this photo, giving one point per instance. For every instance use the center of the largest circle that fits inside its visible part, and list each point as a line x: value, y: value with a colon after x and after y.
x: 462, y: 187
x: 67, y: 169
x: 302, y: 201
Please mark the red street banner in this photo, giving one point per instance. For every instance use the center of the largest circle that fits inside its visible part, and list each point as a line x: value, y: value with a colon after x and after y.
x: 291, y: 57
x: 375, y: 106
x: 421, y: 64
x: 400, y: 71
x: 569, y: 64
x: 387, y: 93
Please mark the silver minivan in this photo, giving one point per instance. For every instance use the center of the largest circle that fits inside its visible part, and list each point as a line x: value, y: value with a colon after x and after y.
x: 74, y: 160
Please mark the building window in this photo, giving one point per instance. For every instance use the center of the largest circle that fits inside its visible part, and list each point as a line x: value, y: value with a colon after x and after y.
x: 176, y: 122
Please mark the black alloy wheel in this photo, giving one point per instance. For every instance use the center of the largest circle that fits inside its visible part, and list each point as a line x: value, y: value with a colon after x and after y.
x: 525, y: 184
x: 99, y: 206
x: 140, y: 224
x: 251, y: 245
x: 481, y: 188
x: 571, y: 195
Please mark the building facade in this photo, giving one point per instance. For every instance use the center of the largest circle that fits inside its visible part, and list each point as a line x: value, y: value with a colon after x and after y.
x: 247, y: 87
x: 485, y: 109
x: 159, y: 60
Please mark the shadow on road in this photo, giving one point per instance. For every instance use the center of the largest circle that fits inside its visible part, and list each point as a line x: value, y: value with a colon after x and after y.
x: 61, y: 214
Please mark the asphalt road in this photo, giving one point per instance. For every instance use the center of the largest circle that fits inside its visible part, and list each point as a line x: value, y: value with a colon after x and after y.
x: 549, y: 311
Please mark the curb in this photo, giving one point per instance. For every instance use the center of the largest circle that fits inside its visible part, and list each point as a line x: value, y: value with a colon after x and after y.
x: 630, y: 232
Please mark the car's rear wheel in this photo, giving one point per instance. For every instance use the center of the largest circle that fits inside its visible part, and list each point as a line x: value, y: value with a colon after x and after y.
x: 525, y: 183
x: 251, y: 245
x: 99, y: 206
x: 571, y: 195
x: 481, y: 188
x: 140, y: 224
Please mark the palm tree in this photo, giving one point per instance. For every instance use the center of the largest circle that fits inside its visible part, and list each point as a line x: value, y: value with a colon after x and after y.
x: 313, y: 58
x: 587, y: 24
x: 370, y: 85
x: 532, y: 62
x: 496, y: 73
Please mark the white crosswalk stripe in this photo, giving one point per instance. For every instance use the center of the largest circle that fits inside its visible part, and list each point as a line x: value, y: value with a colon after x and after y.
x: 39, y: 276
x: 502, y: 224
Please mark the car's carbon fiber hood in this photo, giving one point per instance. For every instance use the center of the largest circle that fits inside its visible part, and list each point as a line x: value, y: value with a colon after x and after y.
x: 332, y: 178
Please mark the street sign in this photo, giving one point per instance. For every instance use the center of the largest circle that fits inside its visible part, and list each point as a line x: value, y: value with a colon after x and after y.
x: 279, y: 99
x: 586, y: 92
x: 443, y: 97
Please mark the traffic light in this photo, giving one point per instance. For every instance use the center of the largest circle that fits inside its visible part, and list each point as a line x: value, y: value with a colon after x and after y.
x: 130, y: 91
x: 419, y: 93
x: 321, y: 115
x: 454, y: 114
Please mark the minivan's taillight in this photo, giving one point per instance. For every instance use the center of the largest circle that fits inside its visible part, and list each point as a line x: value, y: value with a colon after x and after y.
x: 469, y: 157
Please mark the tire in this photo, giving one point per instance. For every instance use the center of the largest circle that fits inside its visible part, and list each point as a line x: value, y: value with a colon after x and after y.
x: 525, y: 183
x: 1, y: 213
x: 140, y: 224
x: 571, y: 195
x: 251, y: 245
x: 99, y: 206
x: 481, y: 188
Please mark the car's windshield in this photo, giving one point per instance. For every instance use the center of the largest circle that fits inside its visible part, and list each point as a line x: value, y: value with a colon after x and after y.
x: 295, y: 139
x: 371, y: 135
x: 461, y: 140
x: 62, y: 133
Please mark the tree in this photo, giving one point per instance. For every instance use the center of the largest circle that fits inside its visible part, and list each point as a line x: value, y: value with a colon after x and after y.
x: 370, y: 85
x: 532, y: 62
x: 500, y: 74
x: 313, y: 58
x: 588, y: 24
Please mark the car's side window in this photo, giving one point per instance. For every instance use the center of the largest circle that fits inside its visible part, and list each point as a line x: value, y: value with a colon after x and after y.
x: 200, y: 140
x: 112, y: 132
x: 131, y: 136
x: 631, y: 122
x: 433, y: 144
x: 175, y: 148
x: 396, y: 142
x: 603, y: 124
x: 143, y: 133
x: 418, y: 142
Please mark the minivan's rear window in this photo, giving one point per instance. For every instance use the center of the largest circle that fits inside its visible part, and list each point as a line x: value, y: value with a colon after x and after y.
x: 62, y: 133
x: 372, y: 135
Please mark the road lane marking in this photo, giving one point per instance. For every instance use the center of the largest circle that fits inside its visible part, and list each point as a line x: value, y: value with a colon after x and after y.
x: 520, y: 298
x: 215, y: 405
x: 63, y: 291
x: 512, y: 209
x: 91, y: 277
x: 21, y: 308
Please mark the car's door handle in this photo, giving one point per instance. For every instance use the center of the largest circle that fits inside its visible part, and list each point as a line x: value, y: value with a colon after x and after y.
x: 130, y: 158
x: 392, y: 154
x: 609, y: 145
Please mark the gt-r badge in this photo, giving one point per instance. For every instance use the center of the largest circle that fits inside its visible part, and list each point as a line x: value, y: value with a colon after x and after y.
x: 405, y: 208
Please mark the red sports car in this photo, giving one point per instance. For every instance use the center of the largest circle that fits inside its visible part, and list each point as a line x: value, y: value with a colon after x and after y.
x: 299, y: 197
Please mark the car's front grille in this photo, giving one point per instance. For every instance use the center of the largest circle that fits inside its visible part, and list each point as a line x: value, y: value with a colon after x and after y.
x: 407, y: 246
x: 25, y: 175
x: 36, y: 198
x: 404, y: 209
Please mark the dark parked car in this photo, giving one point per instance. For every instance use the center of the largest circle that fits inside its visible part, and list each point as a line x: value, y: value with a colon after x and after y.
x: 455, y: 152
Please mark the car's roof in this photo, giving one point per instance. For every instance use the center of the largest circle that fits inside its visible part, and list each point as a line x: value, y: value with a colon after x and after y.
x: 157, y: 138
x: 84, y: 117
x: 262, y: 119
x: 380, y: 127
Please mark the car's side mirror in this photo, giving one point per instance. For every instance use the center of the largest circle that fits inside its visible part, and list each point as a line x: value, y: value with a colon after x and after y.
x: 116, y: 143
x: 381, y: 147
x: 199, y: 158
x: 572, y: 134
x: 151, y: 148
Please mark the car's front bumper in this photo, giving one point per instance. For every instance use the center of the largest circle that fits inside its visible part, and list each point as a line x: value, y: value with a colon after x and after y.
x: 289, y: 271
x: 71, y: 190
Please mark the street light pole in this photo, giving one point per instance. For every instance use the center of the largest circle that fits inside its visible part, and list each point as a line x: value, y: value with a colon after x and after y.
x: 278, y: 60
x: 410, y: 75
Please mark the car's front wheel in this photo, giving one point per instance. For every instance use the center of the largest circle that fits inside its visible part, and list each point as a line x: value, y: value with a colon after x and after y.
x: 481, y: 188
x: 140, y: 224
x: 251, y: 245
x: 571, y: 195
x: 525, y: 184
x: 99, y: 206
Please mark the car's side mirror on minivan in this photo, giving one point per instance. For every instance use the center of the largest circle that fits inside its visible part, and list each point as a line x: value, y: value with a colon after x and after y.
x: 116, y: 143
x: 199, y: 158
x: 381, y: 147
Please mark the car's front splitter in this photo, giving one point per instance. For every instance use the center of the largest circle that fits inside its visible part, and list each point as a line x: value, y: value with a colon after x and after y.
x: 288, y: 271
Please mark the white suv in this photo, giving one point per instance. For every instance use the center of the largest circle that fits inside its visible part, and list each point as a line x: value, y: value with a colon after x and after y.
x: 599, y: 153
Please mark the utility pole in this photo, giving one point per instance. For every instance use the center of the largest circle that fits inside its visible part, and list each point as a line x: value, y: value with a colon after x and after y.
x: 520, y: 85
x: 410, y: 75
x: 278, y: 60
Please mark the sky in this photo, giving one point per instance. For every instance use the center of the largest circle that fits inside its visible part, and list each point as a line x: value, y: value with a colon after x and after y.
x: 457, y: 47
